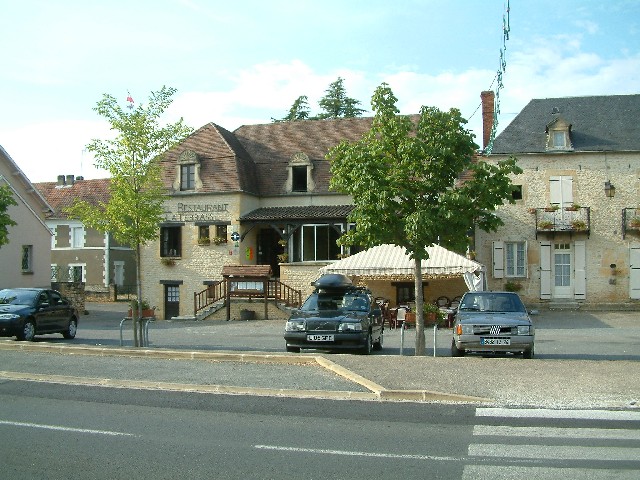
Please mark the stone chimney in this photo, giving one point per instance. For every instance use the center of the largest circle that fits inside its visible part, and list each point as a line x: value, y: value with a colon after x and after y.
x: 60, y: 181
x: 70, y: 180
x: 488, y: 100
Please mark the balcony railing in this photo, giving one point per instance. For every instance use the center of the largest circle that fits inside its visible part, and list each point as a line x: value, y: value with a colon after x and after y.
x: 568, y: 219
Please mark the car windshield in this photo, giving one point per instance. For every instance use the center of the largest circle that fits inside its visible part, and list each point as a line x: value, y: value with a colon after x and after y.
x: 17, y: 297
x: 336, y: 301
x: 492, y: 302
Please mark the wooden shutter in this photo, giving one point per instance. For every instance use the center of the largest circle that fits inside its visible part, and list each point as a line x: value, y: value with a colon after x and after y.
x: 545, y: 270
x: 580, y: 275
x: 561, y: 190
x: 498, y: 259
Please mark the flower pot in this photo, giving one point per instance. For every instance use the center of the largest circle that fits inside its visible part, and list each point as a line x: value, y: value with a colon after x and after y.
x: 147, y: 312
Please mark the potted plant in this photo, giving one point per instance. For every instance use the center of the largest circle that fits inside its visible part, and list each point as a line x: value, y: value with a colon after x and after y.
x: 545, y: 225
x: 574, y: 207
x: 551, y: 208
x: 204, y: 241
x: 512, y: 286
x: 147, y: 310
x: 432, y: 314
x: 169, y: 262
x: 219, y: 240
x: 532, y: 210
x: 635, y: 222
x: 579, y: 225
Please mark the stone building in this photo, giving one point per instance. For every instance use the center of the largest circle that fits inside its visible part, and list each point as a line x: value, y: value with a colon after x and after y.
x: 572, y: 237
x: 25, y: 260
x: 82, y: 254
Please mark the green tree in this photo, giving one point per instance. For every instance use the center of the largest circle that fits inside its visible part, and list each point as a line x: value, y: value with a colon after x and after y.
x: 134, y: 209
x: 404, y: 177
x: 6, y: 200
x: 298, y: 111
x: 336, y: 104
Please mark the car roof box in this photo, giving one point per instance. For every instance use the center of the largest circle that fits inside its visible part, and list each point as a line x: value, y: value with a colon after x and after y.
x: 333, y: 280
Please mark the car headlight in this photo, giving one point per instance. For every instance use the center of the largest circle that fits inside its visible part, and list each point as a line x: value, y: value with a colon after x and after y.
x: 9, y: 316
x: 463, y: 329
x: 294, y: 326
x: 524, y: 330
x: 350, y: 327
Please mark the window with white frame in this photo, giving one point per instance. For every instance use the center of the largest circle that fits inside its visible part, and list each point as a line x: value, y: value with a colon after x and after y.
x: 77, y: 237
x: 515, y: 259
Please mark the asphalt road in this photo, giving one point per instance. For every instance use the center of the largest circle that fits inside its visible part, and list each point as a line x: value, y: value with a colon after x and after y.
x: 85, y: 432
x: 583, y: 360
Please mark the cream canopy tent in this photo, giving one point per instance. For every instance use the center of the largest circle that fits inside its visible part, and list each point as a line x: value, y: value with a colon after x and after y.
x: 387, y: 260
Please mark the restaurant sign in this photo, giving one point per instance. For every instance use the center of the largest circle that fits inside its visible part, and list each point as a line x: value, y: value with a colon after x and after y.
x: 195, y: 212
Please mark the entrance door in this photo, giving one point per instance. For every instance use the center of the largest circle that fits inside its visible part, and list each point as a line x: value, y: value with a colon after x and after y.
x: 171, y: 301
x: 269, y: 249
x: 562, y: 268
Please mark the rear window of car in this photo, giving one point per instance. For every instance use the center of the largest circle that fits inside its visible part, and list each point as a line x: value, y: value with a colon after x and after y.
x: 492, y: 302
x: 336, y: 301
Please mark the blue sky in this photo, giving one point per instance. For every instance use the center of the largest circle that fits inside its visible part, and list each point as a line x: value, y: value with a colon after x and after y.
x: 237, y: 63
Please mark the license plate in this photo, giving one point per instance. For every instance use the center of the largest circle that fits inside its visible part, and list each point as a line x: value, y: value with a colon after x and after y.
x: 495, y: 341
x: 320, y: 338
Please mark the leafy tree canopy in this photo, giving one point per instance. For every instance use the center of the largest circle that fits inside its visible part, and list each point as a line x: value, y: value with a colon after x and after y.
x: 335, y: 104
x: 404, y: 176
x: 6, y: 200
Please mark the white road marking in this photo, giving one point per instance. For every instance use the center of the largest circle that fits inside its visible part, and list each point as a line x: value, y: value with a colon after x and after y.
x: 491, y: 472
x: 557, y: 432
x: 554, y: 452
x: 559, y: 414
x: 357, y: 454
x: 65, y: 429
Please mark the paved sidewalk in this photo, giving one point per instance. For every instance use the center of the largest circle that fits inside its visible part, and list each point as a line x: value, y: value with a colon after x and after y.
x: 584, y: 360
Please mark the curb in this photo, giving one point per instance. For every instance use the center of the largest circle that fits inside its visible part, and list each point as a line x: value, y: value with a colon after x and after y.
x: 376, y: 392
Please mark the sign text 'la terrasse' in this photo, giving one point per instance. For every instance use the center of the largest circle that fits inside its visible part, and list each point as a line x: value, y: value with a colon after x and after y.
x: 195, y: 212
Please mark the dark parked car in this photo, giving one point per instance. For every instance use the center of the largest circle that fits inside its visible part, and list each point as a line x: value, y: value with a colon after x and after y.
x: 27, y: 312
x: 336, y: 316
x: 494, y: 322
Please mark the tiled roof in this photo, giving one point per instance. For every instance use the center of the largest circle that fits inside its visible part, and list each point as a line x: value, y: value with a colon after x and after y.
x: 61, y: 197
x: 272, y: 145
x: 598, y: 123
x: 315, y: 212
x: 225, y: 166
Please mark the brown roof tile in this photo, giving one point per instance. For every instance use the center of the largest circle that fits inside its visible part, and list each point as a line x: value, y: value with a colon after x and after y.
x: 61, y: 197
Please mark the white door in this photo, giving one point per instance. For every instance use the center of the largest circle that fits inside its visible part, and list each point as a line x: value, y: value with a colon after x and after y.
x: 562, y: 270
x: 118, y: 273
x: 634, y: 275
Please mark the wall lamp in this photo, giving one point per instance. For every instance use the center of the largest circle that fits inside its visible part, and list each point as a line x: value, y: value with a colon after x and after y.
x: 609, y: 189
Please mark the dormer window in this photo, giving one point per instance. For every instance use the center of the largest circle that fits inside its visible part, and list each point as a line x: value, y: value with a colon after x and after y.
x: 188, y: 172
x: 559, y: 135
x: 299, y: 178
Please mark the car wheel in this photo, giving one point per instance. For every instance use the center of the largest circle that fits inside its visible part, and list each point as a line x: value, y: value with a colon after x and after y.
x: 528, y: 353
x: 378, y: 345
x: 293, y: 349
x: 368, y: 346
x: 28, y: 331
x: 455, y: 351
x: 71, y: 330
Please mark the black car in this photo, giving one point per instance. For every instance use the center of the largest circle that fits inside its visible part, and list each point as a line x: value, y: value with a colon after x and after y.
x: 27, y: 312
x: 336, y: 316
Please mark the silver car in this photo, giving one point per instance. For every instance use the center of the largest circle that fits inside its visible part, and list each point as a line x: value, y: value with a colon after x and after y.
x: 492, y: 322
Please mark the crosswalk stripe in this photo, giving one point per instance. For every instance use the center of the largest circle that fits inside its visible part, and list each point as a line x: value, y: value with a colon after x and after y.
x: 554, y: 452
x: 557, y: 432
x: 633, y: 415
x: 491, y: 472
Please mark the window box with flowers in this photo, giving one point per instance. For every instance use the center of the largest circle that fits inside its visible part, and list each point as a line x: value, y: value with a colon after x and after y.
x: 219, y: 240
x: 574, y: 207
x: 545, y: 225
x: 204, y: 241
x: 635, y: 223
x: 578, y: 225
x: 168, y: 261
x: 551, y: 208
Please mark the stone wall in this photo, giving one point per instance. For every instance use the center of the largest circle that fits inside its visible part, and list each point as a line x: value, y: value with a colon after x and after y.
x: 74, y: 291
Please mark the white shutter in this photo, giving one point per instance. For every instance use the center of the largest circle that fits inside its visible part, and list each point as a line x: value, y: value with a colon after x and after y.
x: 561, y: 191
x: 634, y: 275
x: 545, y: 270
x: 498, y: 259
x: 580, y: 259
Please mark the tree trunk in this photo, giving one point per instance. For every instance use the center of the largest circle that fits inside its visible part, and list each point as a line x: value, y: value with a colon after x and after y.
x: 420, y: 340
x: 138, y: 312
